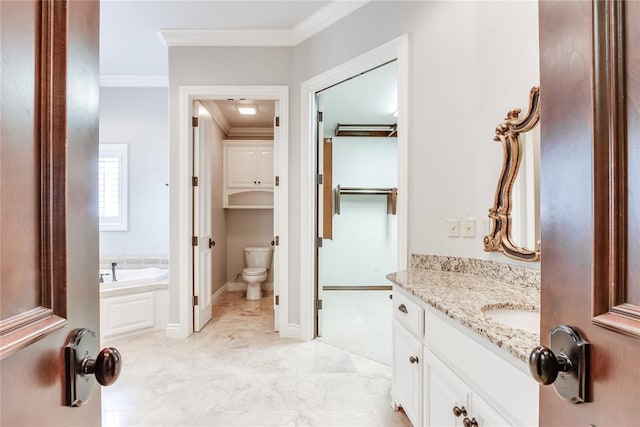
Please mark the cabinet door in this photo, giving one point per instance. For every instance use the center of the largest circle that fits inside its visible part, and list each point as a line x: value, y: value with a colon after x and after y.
x: 485, y: 414
x: 241, y: 167
x: 265, y: 167
x: 407, y: 372
x: 444, y: 392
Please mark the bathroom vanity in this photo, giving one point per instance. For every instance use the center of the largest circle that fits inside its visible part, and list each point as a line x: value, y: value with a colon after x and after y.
x: 454, y: 363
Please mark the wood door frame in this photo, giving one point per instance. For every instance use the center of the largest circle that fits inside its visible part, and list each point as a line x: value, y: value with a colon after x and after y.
x: 180, y: 178
x: 397, y: 49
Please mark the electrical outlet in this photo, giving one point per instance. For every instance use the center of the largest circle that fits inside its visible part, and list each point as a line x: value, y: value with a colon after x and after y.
x: 469, y: 227
x: 453, y: 227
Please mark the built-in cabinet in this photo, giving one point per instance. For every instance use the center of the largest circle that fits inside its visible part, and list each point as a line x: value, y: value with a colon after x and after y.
x: 446, y: 375
x: 248, y: 174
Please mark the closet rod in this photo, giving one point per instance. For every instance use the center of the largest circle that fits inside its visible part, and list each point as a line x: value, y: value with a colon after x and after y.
x: 391, y: 193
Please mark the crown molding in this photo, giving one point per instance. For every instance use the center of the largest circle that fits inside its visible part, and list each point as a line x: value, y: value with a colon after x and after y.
x: 133, y: 81
x: 218, y: 116
x: 249, y: 132
x: 323, y: 18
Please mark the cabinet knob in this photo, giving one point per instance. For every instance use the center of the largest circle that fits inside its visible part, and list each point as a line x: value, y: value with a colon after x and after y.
x: 414, y: 359
x: 403, y: 308
x: 457, y: 411
x: 470, y: 422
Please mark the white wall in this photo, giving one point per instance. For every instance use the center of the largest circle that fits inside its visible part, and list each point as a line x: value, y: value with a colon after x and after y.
x: 365, y: 236
x: 470, y: 62
x: 138, y: 117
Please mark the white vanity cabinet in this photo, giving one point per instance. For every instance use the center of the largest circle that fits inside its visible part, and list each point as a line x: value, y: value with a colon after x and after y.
x: 462, y: 375
x: 248, y: 174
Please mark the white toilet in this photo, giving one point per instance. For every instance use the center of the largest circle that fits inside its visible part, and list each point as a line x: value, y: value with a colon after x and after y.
x: 257, y: 261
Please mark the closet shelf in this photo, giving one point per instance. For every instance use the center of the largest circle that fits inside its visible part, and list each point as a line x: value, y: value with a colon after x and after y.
x: 391, y: 193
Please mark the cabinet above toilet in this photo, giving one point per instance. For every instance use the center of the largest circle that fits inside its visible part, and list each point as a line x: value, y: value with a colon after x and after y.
x: 248, y: 174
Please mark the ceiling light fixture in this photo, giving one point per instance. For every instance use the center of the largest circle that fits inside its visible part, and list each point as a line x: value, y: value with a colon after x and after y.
x: 247, y: 110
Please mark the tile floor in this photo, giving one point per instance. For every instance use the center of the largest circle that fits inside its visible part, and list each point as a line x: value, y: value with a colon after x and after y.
x: 359, y: 322
x: 238, y: 372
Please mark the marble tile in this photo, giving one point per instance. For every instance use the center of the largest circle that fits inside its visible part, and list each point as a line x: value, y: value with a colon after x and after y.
x: 238, y: 372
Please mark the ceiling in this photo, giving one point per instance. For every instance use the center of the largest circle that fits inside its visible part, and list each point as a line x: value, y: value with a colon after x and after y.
x: 131, y: 43
x: 134, y: 35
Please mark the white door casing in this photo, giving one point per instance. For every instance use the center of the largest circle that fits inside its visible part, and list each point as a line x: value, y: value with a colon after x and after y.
x: 273, y: 154
x: 202, y: 220
x: 319, y: 113
x: 181, y: 324
x: 397, y: 49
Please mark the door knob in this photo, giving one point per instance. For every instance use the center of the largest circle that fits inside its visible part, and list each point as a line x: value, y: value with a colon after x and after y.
x: 545, y: 365
x: 567, y: 359
x: 106, y: 366
x: 82, y: 372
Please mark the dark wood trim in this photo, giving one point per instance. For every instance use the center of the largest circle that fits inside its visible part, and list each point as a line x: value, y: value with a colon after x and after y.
x: 327, y: 189
x: 357, y: 288
x: 20, y: 330
x: 610, y: 307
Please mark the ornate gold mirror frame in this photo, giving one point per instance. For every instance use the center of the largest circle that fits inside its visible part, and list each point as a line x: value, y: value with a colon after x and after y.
x: 508, y: 133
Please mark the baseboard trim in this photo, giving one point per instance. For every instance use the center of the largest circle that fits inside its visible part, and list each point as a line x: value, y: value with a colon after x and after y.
x: 174, y: 330
x: 242, y: 286
x: 217, y: 296
x: 291, y: 331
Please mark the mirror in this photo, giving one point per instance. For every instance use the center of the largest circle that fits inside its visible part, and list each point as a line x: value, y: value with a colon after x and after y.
x: 515, y: 214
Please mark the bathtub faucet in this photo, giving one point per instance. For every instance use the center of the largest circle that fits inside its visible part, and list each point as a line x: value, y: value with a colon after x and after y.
x: 113, y: 271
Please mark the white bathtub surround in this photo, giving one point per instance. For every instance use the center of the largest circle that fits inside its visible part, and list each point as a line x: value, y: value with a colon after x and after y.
x: 237, y: 372
x: 138, y: 301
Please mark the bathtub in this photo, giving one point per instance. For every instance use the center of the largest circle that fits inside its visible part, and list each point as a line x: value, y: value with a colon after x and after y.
x: 137, y: 302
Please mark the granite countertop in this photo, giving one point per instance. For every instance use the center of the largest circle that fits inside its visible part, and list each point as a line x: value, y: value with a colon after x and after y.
x: 464, y: 296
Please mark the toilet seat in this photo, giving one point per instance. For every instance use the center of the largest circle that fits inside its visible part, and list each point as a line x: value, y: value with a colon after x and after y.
x: 254, y: 271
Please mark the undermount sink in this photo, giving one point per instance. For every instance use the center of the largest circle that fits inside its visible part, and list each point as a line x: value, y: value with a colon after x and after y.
x: 514, y: 317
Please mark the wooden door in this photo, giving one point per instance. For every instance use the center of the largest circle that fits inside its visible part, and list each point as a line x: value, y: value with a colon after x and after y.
x: 590, y: 181
x: 48, y: 203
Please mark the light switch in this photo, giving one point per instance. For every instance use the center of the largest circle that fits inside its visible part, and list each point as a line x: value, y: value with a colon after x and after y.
x: 469, y: 227
x: 453, y: 227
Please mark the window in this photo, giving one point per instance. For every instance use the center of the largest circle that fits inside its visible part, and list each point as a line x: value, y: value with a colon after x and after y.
x: 112, y: 182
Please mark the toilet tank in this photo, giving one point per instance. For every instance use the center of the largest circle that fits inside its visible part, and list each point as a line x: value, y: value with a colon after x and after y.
x: 257, y: 256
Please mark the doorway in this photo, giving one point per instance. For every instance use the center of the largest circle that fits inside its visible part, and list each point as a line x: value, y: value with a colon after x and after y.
x: 181, y: 254
x: 357, y: 211
x: 395, y: 50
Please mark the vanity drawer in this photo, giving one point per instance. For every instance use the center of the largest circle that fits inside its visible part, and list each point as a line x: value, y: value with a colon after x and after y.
x: 409, y: 313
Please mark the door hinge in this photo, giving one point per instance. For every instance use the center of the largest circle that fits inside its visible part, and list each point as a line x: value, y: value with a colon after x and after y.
x: 319, y: 178
x: 194, y: 122
x: 194, y: 241
x: 194, y: 181
x: 318, y: 242
x: 277, y: 241
x: 277, y: 299
x: 277, y: 181
x: 277, y: 121
x: 319, y: 304
x: 195, y: 300
x: 320, y: 116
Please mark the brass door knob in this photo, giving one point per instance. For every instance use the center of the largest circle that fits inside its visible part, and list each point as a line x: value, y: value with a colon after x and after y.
x: 414, y: 359
x: 470, y: 422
